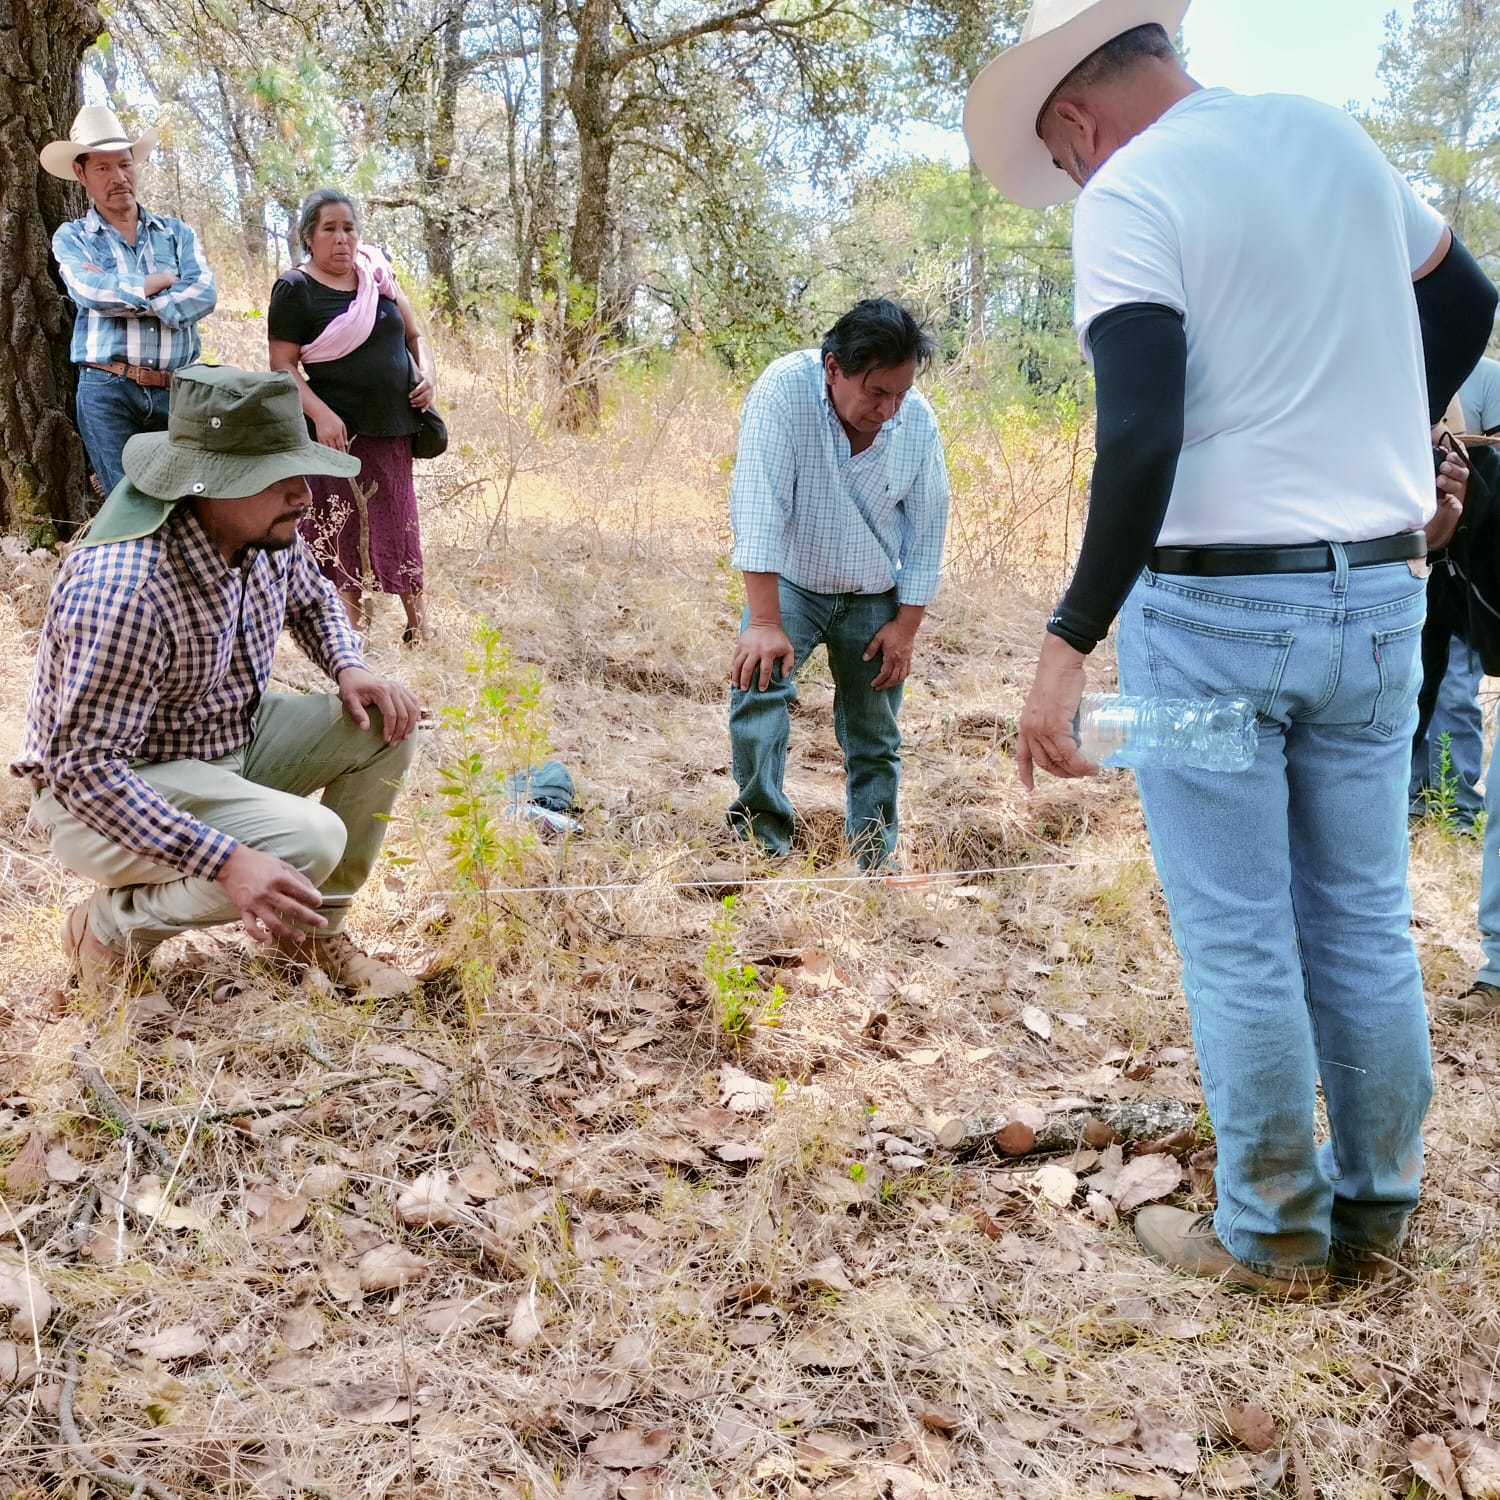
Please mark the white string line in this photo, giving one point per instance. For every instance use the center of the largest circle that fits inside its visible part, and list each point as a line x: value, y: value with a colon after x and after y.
x: 915, y: 881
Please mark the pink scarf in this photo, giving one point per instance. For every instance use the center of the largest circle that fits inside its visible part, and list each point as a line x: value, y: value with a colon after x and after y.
x: 374, y: 279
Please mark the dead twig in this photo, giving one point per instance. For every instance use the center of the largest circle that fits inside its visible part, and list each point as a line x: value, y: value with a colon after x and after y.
x: 129, y: 1484
x: 113, y: 1108
x: 259, y: 1109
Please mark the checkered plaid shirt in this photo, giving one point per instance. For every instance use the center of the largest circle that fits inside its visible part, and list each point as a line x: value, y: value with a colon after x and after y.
x: 158, y: 650
x: 106, y: 278
x: 827, y: 520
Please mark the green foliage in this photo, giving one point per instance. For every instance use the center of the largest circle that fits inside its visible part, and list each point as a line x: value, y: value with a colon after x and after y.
x: 994, y: 280
x: 1441, y: 800
x: 737, y: 994
x: 503, y: 730
x: 1439, y: 119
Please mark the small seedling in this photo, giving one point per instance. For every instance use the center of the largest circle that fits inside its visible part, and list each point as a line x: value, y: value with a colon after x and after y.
x: 736, y: 988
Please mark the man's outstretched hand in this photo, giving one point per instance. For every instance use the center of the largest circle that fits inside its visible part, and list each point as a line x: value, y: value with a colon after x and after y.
x: 1045, y: 738
x: 399, y: 709
x: 274, y: 900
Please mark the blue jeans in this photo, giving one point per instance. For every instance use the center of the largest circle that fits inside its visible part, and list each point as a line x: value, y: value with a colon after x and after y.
x: 112, y: 409
x: 1489, y: 877
x: 864, y: 720
x: 1458, y: 715
x: 1287, y: 892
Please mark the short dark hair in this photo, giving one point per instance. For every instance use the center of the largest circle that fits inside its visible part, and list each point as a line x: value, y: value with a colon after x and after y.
x: 1116, y: 56
x: 313, y: 206
x: 877, y: 332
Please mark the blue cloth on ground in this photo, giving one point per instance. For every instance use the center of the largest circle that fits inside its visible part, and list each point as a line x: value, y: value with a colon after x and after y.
x: 547, y: 785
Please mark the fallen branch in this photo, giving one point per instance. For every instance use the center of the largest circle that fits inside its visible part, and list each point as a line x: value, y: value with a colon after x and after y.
x: 81, y: 1217
x: 258, y: 1109
x: 112, y: 1107
x: 1068, y: 1129
x: 130, y: 1484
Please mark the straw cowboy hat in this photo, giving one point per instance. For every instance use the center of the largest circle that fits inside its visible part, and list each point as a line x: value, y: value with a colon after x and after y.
x: 230, y: 433
x: 94, y: 128
x: 1001, y: 111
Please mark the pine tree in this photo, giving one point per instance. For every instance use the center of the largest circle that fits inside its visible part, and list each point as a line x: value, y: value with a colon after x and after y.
x: 1439, y: 120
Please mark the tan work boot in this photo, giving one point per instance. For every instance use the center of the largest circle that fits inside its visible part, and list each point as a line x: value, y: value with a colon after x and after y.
x: 351, y: 968
x: 94, y: 964
x: 1188, y: 1243
x: 1480, y: 1002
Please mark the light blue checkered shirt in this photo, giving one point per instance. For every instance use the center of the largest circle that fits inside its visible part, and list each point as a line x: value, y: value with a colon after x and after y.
x: 829, y: 521
x: 106, y: 278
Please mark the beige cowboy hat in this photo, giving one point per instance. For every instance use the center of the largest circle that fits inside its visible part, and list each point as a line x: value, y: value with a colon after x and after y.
x: 94, y: 128
x: 1001, y: 111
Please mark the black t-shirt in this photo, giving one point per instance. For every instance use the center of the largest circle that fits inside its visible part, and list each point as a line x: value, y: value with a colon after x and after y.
x: 369, y: 388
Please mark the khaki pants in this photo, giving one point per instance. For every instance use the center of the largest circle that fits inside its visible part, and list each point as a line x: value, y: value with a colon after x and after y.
x: 258, y: 795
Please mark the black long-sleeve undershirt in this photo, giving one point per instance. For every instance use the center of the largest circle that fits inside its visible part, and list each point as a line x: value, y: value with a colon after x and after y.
x: 1140, y: 378
x: 1456, y: 306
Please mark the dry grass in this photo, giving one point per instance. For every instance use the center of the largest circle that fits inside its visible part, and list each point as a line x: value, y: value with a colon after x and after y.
x: 762, y: 1297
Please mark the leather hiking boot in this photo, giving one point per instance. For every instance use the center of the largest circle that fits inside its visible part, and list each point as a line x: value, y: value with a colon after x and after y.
x: 94, y: 964
x: 1480, y: 1002
x: 351, y: 968
x: 1188, y: 1243
x: 1362, y: 1268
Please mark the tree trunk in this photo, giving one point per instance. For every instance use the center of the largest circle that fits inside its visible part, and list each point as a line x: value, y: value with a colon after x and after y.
x: 978, y: 269
x: 589, y: 102
x: 43, y: 471
x: 437, y: 210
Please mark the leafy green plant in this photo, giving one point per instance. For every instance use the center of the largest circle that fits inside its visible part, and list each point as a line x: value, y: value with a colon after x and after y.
x: 740, y: 1001
x: 1442, y: 799
x: 502, y: 730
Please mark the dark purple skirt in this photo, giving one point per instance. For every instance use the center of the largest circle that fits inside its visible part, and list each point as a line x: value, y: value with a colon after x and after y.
x: 364, y: 531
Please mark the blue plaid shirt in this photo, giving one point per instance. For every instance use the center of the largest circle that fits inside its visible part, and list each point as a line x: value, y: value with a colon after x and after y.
x: 158, y: 650
x: 828, y: 520
x: 106, y: 278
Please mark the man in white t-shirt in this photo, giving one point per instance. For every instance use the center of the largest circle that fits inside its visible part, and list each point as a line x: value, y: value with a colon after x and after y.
x: 1245, y: 270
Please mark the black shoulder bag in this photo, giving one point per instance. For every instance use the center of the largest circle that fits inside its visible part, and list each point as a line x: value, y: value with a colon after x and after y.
x: 430, y: 440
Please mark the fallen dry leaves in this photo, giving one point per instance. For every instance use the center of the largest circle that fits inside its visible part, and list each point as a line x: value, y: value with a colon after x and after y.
x: 1434, y: 1464
x: 22, y: 1290
x: 631, y: 1448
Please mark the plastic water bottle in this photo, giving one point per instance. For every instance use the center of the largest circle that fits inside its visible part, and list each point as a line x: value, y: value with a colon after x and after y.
x: 1201, y: 734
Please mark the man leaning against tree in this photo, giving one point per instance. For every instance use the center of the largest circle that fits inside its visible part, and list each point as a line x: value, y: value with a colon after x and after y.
x: 138, y: 281
x: 164, y: 771
x: 839, y: 504
x: 1245, y: 272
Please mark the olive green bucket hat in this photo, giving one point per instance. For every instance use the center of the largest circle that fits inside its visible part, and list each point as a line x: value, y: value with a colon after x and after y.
x: 230, y: 433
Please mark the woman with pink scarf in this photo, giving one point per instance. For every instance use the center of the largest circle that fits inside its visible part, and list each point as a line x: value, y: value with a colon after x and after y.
x: 365, y: 371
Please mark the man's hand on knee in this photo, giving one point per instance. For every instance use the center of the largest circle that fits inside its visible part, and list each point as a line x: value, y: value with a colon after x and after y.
x: 399, y: 709
x: 894, y: 644
x: 756, y: 654
x: 274, y: 900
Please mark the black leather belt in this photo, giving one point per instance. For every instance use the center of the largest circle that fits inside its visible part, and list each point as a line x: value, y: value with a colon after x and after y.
x: 1309, y: 557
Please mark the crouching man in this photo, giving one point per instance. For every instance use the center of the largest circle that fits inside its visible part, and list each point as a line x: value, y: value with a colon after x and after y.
x: 839, y: 505
x: 163, y: 769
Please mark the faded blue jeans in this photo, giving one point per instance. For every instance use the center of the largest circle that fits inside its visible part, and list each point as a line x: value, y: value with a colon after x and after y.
x: 1489, y: 877
x: 1458, y: 715
x: 111, y: 410
x: 864, y: 721
x: 1287, y: 892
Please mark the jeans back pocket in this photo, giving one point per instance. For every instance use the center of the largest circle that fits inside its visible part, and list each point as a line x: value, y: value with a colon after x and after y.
x: 1191, y: 658
x: 1398, y: 660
